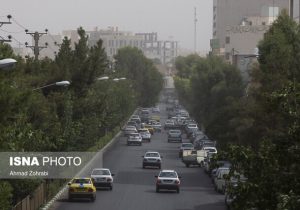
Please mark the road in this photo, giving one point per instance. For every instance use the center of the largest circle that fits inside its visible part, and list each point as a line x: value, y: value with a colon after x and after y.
x: 134, y: 187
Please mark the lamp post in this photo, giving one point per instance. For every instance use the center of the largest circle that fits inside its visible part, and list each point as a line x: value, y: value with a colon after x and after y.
x: 61, y: 83
x: 113, y: 79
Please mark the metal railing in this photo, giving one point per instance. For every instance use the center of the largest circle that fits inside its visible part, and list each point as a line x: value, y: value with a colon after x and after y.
x: 33, y: 201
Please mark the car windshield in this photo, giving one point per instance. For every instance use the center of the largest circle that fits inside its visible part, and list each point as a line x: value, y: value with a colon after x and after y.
x: 100, y: 172
x: 175, y: 131
x: 152, y: 154
x: 187, y: 145
x: 210, y: 149
x: 130, y: 128
x: 168, y: 174
x: 81, y: 181
x: 135, y: 135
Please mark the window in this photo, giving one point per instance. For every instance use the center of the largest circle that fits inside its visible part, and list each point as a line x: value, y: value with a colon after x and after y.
x: 227, y: 40
x: 227, y: 56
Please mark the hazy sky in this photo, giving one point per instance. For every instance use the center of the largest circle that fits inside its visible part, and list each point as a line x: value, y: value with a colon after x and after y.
x: 170, y: 18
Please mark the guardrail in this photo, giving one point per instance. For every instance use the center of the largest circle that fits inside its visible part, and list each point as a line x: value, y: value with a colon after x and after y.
x: 33, y: 201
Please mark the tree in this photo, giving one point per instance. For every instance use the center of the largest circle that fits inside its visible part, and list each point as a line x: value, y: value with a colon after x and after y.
x: 146, y: 80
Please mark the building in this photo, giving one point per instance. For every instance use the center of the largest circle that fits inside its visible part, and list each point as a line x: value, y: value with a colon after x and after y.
x: 238, y: 26
x: 161, y: 51
x: 113, y: 40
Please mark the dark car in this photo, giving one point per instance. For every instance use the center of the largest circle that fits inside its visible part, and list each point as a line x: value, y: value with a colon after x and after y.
x: 174, y: 135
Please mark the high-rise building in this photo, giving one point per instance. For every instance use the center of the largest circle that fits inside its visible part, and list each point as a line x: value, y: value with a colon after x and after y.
x: 238, y: 26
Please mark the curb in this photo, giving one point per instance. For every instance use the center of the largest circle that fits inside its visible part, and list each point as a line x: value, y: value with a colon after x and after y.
x: 103, y: 150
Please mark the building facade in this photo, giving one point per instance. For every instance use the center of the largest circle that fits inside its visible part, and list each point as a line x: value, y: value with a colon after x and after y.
x: 161, y: 51
x: 239, y: 25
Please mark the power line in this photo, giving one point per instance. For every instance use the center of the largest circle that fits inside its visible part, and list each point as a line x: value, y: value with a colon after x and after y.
x: 20, y: 43
x: 2, y: 39
x: 11, y: 32
x: 16, y: 22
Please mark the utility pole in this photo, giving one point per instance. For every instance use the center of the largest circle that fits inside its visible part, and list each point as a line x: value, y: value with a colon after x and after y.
x: 195, y: 29
x: 36, y: 48
x: 2, y: 39
x: 292, y: 9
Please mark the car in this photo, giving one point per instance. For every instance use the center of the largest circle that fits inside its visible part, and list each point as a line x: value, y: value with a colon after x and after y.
x: 102, y: 177
x: 169, y: 124
x: 174, y: 135
x: 129, y: 130
x: 155, y: 124
x: 220, y: 181
x: 149, y: 127
x: 136, y: 118
x: 196, y: 134
x: 190, y: 129
x: 233, y: 183
x: 168, y: 180
x: 155, y: 117
x: 185, y: 146
x: 211, y: 150
x: 145, y: 115
x: 152, y: 159
x: 146, y: 135
x: 133, y: 123
x: 155, y: 109
x: 134, y: 138
x: 82, y: 188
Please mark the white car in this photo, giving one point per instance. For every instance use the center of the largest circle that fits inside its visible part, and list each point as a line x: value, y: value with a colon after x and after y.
x: 219, y: 179
x: 211, y: 150
x: 102, y: 177
x: 134, y: 138
x: 155, y: 110
x: 146, y: 135
x: 129, y: 130
x: 152, y: 159
x: 168, y: 180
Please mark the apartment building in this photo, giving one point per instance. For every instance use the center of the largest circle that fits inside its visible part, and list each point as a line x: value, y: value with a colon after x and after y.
x: 238, y: 26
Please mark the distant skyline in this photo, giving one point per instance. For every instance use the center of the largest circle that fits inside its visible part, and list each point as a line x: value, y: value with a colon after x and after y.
x: 171, y: 19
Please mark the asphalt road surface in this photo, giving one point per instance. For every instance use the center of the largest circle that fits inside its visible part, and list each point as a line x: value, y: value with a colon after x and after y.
x: 134, y: 187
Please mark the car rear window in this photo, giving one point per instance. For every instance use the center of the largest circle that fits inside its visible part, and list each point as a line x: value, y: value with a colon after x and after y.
x: 168, y: 174
x: 151, y: 155
x: 82, y: 181
x: 100, y: 172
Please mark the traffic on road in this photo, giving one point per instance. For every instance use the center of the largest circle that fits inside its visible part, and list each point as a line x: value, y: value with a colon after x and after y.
x: 162, y: 160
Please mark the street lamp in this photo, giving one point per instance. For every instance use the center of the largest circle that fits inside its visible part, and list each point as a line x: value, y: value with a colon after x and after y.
x: 61, y: 83
x: 7, y: 63
x: 114, y: 79
x: 103, y: 78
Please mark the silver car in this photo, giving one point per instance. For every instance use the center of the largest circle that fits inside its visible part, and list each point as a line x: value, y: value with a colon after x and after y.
x: 134, y: 138
x: 102, y: 177
x: 168, y: 180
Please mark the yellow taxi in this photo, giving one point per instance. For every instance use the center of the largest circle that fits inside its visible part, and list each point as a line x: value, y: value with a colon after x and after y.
x: 150, y: 128
x: 82, y: 188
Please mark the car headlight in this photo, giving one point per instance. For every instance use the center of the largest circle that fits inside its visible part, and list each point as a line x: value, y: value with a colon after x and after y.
x: 145, y: 159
